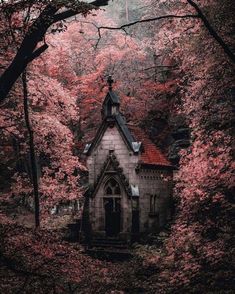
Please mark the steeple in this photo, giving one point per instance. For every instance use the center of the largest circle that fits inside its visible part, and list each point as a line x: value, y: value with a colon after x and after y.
x: 111, y: 102
x: 110, y: 83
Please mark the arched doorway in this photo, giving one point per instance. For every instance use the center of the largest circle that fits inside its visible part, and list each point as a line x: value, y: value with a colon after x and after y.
x: 112, y: 207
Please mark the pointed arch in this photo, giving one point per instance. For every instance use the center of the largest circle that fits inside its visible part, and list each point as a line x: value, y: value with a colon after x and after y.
x: 112, y: 187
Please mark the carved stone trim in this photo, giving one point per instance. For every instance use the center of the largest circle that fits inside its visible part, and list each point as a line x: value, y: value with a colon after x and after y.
x: 111, y: 160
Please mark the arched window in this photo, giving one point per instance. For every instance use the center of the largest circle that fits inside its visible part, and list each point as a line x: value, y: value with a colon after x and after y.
x: 112, y: 187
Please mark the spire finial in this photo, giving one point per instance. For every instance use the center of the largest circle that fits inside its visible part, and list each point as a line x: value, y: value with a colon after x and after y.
x: 110, y: 82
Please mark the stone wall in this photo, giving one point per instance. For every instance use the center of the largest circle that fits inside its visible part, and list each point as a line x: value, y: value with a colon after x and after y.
x: 154, y: 182
x: 112, y: 140
x: 150, y: 182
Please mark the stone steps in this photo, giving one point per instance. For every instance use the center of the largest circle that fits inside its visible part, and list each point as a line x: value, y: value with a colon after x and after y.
x: 111, y: 251
x: 109, y: 243
x: 109, y: 248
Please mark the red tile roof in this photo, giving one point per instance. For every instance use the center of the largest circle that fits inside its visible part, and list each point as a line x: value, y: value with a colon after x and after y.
x: 151, y: 154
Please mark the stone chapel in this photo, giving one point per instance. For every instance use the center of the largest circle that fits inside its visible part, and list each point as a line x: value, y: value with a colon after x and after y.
x: 130, y: 179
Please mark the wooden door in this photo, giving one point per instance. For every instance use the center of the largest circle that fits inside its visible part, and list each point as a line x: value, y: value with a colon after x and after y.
x: 112, y: 216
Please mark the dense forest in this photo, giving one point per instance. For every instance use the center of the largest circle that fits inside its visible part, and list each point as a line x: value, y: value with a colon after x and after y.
x: 172, y: 64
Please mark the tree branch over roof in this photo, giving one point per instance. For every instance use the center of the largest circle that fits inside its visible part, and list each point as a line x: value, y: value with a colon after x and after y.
x: 199, y: 15
x: 123, y: 27
x: 28, y: 49
x: 149, y: 20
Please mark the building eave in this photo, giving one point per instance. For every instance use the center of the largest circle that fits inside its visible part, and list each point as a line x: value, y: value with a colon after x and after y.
x: 155, y: 166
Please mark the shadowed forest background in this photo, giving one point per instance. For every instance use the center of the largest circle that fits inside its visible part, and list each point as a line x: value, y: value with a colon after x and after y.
x: 172, y: 63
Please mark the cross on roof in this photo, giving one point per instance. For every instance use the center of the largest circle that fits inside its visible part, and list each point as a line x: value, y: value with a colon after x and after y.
x: 110, y: 82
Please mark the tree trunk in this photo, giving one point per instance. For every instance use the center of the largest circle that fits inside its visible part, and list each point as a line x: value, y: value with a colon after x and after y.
x: 27, y: 51
x: 34, y: 173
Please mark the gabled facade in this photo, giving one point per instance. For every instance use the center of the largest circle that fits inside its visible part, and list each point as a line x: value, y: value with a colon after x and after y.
x: 130, y: 179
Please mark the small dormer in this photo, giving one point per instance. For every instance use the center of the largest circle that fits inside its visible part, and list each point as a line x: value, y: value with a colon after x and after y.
x: 111, y: 102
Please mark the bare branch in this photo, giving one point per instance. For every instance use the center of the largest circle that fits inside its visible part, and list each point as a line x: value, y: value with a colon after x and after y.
x: 123, y: 27
x: 149, y: 20
x: 199, y: 15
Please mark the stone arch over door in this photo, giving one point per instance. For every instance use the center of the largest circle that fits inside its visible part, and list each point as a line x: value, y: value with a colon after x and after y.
x: 113, y: 207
